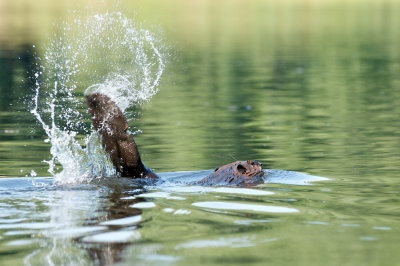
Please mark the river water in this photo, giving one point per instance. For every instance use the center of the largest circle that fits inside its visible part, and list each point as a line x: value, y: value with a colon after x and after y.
x: 309, y: 88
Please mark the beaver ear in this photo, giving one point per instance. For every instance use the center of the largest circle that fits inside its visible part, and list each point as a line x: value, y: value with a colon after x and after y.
x: 241, y: 169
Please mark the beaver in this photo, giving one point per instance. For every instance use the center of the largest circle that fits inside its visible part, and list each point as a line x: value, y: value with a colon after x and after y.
x: 240, y: 173
x: 109, y: 121
x: 111, y: 124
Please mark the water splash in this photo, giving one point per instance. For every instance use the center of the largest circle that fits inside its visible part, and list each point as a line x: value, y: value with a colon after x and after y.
x: 107, y: 53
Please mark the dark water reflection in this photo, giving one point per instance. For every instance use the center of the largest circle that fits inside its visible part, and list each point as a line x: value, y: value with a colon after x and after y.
x: 312, y: 88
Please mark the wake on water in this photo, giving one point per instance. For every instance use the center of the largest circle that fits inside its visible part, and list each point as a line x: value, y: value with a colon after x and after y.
x: 107, y: 53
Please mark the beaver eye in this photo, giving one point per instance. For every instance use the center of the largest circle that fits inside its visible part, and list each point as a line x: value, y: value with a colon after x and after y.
x: 241, y: 168
x: 216, y: 169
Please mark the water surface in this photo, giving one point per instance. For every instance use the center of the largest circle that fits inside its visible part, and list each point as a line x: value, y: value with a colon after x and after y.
x: 309, y: 87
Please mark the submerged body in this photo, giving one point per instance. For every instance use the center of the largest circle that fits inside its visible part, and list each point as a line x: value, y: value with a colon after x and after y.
x: 109, y: 121
x: 240, y: 173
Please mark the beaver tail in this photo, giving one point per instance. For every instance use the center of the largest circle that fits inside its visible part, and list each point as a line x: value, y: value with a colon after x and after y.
x: 110, y: 122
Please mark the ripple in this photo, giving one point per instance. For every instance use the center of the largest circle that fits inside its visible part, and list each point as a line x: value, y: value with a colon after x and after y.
x: 21, y: 242
x: 245, y: 191
x: 200, y: 189
x: 9, y: 221
x: 234, y: 242
x: 143, y: 205
x: 76, y: 231
x: 182, y: 212
x: 316, y: 222
x: 247, y: 222
x: 368, y: 238
x: 159, y: 194
x: 243, y: 206
x: 350, y: 225
x: 27, y: 225
x: 292, y: 178
x: 158, y: 257
x: 114, y: 237
x: 128, y: 198
x: 16, y: 233
x: 384, y: 228
x: 124, y: 221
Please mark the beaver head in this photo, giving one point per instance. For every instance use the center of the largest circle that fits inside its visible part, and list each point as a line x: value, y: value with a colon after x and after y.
x: 242, y: 173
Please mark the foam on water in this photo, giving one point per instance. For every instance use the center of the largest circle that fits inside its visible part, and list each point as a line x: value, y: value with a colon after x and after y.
x: 107, y: 53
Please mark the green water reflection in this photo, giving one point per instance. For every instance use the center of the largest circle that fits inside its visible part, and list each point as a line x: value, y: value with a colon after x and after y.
x: 309, y: 86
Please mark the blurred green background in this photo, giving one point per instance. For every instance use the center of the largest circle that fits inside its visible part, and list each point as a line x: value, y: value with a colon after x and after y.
x: 300, y: 85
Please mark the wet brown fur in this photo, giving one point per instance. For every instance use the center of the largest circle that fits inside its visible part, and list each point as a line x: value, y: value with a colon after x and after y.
x: 111, y: 124
x: 239, y: 173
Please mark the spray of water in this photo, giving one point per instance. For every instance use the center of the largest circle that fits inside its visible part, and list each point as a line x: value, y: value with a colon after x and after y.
x: 107, y: 53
